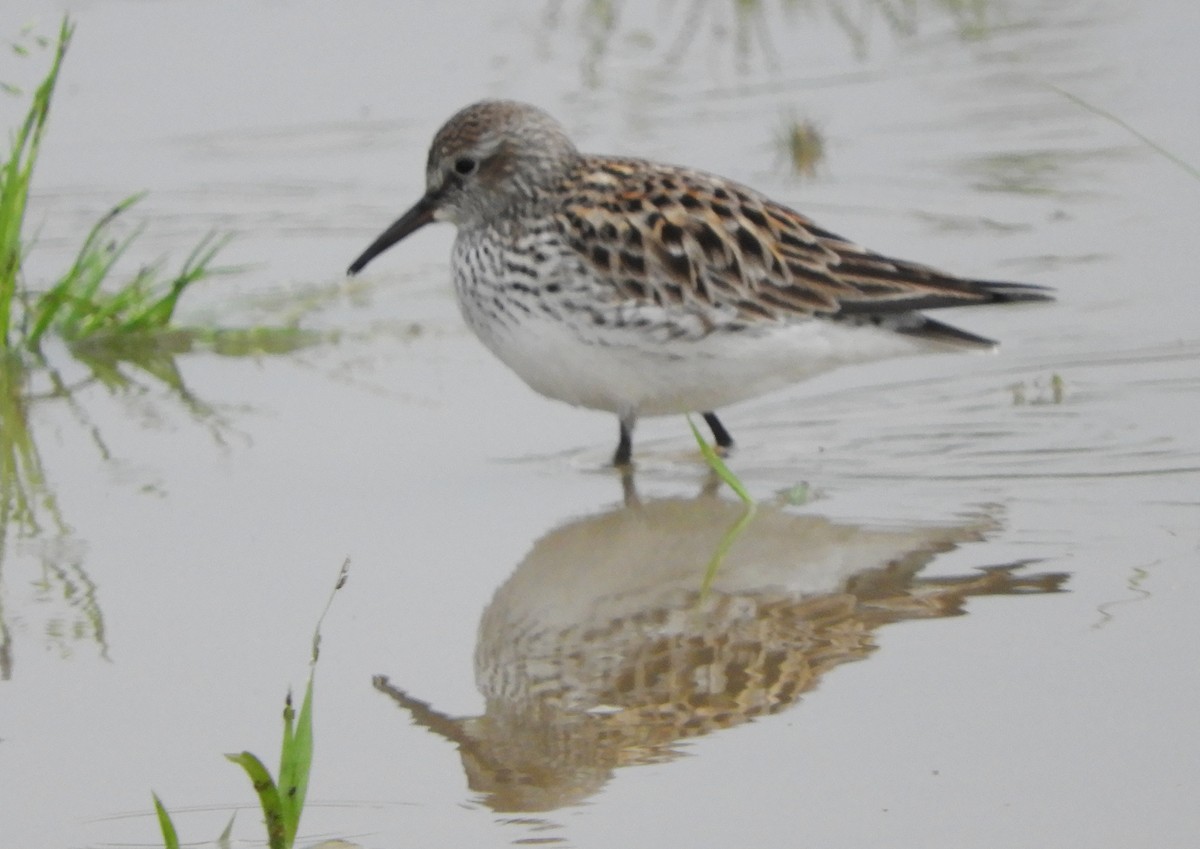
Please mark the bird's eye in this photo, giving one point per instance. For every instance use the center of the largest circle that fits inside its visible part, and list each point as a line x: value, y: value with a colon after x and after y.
x: 465, y: 165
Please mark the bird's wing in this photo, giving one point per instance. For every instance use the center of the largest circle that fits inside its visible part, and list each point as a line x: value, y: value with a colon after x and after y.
x: 676, y: 237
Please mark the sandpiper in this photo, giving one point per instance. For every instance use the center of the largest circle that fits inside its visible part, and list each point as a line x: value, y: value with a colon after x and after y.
x: 646, y: 289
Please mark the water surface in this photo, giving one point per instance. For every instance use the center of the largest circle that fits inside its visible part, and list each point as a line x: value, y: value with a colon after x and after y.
x: 964, y: 616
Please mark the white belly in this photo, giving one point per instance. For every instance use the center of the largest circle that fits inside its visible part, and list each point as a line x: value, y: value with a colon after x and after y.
x: 628, y: 371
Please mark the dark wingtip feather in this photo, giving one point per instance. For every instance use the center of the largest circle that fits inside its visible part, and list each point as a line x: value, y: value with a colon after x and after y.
x: 946, y: 334
x: 1006, y: 293
x: 941, y: 292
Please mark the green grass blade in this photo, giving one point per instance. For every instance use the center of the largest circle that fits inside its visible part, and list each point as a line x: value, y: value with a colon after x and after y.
x: 268, y: 798
x: 283, y: 803
x: 61, y: 305
x: 15, y: 176
x: 225, y: 840
x: 78, y: 307
x: 718, y: 465
x: 87, y: 307
x: 159, y: 313
x: 170, y: 838
x: 1179, y: 161
x: 295, y: 762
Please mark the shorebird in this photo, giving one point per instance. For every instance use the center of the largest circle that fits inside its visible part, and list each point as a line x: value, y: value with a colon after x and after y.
x: 647, y: 289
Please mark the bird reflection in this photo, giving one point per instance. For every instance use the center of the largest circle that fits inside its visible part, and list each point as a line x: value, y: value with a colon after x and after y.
x: 601, y: 650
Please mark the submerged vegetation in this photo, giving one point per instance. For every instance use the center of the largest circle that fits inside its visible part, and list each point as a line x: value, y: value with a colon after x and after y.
x: 802, y: 144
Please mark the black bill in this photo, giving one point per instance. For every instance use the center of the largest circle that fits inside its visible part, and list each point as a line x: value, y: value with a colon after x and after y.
x: 416, y: 218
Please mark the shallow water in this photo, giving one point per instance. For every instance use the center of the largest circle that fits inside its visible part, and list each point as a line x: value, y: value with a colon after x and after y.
x: 1008, y: 544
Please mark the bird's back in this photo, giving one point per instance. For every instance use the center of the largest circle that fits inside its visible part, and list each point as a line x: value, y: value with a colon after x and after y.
x: 693, y: 242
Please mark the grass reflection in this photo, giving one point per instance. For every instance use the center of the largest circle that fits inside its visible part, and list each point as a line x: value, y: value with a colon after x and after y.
x: 751, y: 31
x: 22, y: 484
x: 63, y: 593
x: 22, y: 478
x: 29, y: 510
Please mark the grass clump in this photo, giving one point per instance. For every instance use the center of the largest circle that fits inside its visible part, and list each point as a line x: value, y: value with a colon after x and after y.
x: 15, y: 176
x: 78, y: 307
x: 282, y: 800
x: 80, y: 304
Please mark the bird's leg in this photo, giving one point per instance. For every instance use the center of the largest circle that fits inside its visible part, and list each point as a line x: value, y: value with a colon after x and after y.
x: 629, y: 491
x: 720, y: 434
x: 625, y: 446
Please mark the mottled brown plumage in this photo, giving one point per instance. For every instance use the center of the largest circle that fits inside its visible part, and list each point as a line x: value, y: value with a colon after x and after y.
x: 678, y: 237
